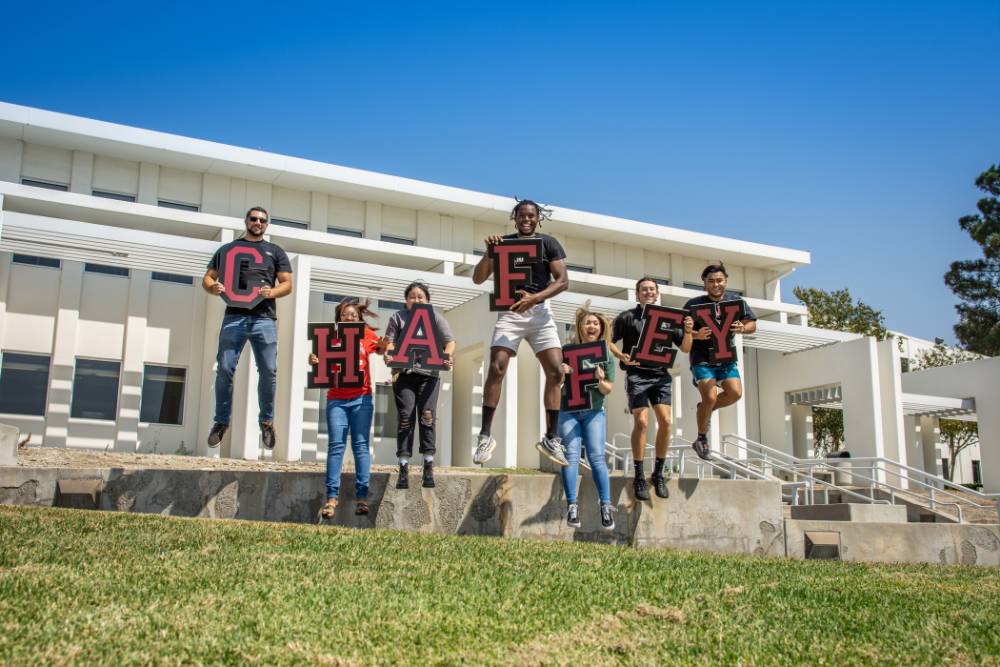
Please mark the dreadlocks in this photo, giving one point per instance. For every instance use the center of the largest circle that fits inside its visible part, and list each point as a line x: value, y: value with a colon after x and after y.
x: 543, y: 213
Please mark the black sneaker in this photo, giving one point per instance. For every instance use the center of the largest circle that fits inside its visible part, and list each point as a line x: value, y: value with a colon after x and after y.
x: 267, y: 434
x: 659, y: 485
x: 573, y: 516
x: 428, y: 476
x: 607, y: 516
x: 701, y: 448
x: 403, y: 481
x: 217, y: 433
x: 640, y: 487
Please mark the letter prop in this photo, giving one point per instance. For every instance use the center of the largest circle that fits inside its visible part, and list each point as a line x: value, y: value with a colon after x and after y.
x: 719, y: 317
x: 238, y: 262
x: 420, y: 343
x: 511, y: 269
x: 582, y: 359
x: 655, y: 346
x: 338, y: 348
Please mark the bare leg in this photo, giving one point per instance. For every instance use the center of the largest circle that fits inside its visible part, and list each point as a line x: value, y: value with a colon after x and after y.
x: 662, y: 413
x: 551, y: 361
x: 732, y: 391
x: 708, y: 399
x: 640, y: 427
x: 499, y: 360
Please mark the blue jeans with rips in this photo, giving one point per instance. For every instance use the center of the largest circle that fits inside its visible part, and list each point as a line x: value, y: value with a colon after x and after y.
x: 585, y: 429
x: 262, y: 332
x: 354, y: 416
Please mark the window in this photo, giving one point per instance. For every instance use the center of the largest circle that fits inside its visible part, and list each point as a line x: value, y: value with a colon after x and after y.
x: 397, y: 239
x: 333, y: 298
x: 478, y: 253
x: 32, y: 260
x: 579, y: 267
x: 386, y: 304
x: 173, y: 278
x: 95, y: 389
x: 48, y: 185
x: 281, y: 222
x: 730, y: 293
x: 106, y: 270
x: 700, y: 287
x: 945, y: 469
x: 344, y: 232
x: 24, y: 383
x: 977, y: 472
x: 162, y: 395
x: 180, y: 206
x: 385, y: 412
x: 106, y: 194
x: 661, y: 281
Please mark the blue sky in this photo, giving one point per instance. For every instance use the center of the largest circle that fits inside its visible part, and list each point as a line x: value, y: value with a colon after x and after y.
x: 852, y: 130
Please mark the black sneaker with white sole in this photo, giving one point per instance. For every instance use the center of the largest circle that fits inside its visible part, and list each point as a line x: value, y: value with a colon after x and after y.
x: 573, y: 515
x: 403, y: 480
x: 607, y: 516
x: 428, y: 476
x: 217, y: 433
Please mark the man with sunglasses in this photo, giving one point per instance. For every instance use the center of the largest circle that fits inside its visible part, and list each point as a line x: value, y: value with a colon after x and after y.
x: 258, y: 324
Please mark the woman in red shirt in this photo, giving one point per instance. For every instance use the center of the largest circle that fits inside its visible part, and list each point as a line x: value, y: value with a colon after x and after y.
x: 351, y: 410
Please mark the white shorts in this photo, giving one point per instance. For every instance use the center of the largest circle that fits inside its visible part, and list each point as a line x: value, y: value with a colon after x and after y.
x: 535, y: 324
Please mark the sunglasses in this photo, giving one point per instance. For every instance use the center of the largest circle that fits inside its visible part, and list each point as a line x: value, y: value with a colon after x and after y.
x: 257, y: 218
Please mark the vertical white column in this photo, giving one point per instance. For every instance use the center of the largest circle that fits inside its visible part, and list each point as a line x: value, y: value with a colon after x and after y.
x: 214, y: 309
x: 82, y: 173
x: 133, y: 353
x: 373, y: 220
x: 149, y: 183
x: 57, y: 405
x: 5, y: 259
x: 293, y: 362
x: 319, y: 211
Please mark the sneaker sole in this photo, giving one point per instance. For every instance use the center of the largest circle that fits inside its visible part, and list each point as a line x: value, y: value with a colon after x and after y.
x: 574, y: 525
x: 609, y: 528
x: 550, y: 456
x: 488, y: 455
x: 428, y: 485
x: 703, y: 454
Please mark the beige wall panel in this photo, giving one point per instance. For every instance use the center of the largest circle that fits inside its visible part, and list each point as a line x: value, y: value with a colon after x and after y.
x: 46, y: 163
x: 168, y: 328
x: 101, y: 329
x: 179, y: 186
x: 114, y: 175
x: 346, y: 214
x: 32, y: 303
x: 291, y: 204
x: 399, y: 222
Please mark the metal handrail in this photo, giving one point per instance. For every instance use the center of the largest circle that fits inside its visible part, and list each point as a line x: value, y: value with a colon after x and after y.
x: 723, y: 465
x: 873, y: 465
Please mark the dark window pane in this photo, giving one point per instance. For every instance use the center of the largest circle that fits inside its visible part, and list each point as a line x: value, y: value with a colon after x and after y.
x: 113, y: 195
x: 333, y: 298
x: 344, y: 232
x: 24, y: 382
x: 32, y: 260
x: 48, y: 185
x: 579, y: 267
x: 162, y: 395
x: 95, y: 389
x: 385, y: 412
x: 289, y: 223
x: 173, y: 278
x: 397, y: 239
x: 180, y: 206
x: 385, y: 304
x: 106, y: 270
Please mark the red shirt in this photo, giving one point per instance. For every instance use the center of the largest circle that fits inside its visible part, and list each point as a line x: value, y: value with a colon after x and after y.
x: 368, y: 345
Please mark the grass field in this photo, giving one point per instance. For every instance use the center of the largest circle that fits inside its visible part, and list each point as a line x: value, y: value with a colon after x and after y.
x: 98, y: 588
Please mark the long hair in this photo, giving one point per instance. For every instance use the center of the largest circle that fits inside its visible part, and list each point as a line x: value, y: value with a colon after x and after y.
x: 364, y: 310
x: 582, y: 313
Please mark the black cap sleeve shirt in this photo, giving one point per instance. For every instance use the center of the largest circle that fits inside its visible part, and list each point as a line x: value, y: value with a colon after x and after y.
x: 541, y: 274
x: 275, y: 262
x: 700, y: 348
x: 627, y: 328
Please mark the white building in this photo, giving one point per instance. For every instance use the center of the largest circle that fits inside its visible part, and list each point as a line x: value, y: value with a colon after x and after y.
x: 109, y: 342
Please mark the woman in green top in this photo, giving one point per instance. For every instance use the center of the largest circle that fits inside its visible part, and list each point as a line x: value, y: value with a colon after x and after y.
x: 588, y: 428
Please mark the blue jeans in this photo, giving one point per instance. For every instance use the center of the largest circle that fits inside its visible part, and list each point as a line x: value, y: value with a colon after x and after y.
x: 262, y: 332
x: 588, y: 428
x: 354, y: 415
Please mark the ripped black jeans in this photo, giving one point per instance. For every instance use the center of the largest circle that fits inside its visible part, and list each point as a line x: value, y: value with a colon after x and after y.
x: 416, y: 403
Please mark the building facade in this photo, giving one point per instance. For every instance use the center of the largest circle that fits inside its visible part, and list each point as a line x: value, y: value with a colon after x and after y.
x: 109, y: 342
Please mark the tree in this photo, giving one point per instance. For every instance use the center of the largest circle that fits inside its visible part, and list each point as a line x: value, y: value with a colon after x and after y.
x: 836, y: 310
x: 976, y: 282
x: 958, y: 435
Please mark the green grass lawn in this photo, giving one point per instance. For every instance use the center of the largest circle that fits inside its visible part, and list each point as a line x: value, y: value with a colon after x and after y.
x: 99, y: 588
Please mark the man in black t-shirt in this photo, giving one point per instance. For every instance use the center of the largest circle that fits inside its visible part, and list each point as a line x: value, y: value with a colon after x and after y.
x: 529, y: 318
x: 272, y: 275
x: 708, y: 376
x: 645, y: 387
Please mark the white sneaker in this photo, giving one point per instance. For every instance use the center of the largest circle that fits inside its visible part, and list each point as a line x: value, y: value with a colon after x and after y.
x: 484, y: 449
x: 552, y: 449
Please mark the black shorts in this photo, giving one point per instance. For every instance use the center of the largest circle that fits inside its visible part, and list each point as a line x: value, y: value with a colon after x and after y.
x: 646, y: 390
